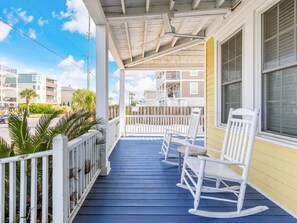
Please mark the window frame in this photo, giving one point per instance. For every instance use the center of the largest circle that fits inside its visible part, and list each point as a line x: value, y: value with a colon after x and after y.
x: 279, y: 139
x: 191, y: 84
x: 193, y: 73
x: 219, y: 95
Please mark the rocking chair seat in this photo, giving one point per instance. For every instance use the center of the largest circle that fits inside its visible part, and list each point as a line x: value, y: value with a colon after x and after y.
x: 192, y: 151
x: 213, y: 170
x: 178, y: 141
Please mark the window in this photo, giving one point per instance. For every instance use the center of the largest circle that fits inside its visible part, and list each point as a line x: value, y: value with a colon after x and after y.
x: 231, y: 60
x: 38, y: 87
x: 279, y: 75
x: 193, y: 88
x: 193, y: 73
x: 33, y: 87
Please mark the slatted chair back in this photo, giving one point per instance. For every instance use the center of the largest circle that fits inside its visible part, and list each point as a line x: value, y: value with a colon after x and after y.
x: 194, y: 124
x: 239, y: 136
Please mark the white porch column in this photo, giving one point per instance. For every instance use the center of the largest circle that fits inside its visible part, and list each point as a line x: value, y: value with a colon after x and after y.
x: 122, y: 102
x: 102, y: 87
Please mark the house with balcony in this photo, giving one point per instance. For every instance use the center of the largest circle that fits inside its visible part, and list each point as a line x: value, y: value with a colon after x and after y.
x: 249, y: 60
x: 180, y: 88
x: 48, y: 89
x: 8, y: 90
x: 149, y: 98
x: 67, y: 94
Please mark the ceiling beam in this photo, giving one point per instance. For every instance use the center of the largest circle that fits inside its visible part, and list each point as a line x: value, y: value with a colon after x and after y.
x: 144, y: 38
x: 128, y: 40
x: 171, y: 5
x: 178, y: 14
x: 123, y: 6
x: 96, y: 12
x: 165, y: 50
x: 147, y: 9
x: 195, y: 4
x: 161, y: 34
x: 199, y: 26
x: 219, y: 3
x: 147, y: 6
x: 180, y: 30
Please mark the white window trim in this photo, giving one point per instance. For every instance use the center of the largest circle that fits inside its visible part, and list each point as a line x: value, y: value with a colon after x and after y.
x: 218, y: 71
x: 193, y: 73
x: 275, y: 138
x: 191, y: 88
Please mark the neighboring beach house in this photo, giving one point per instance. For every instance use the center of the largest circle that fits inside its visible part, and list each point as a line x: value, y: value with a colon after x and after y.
x: 180, y: 88
x: 8, y: 90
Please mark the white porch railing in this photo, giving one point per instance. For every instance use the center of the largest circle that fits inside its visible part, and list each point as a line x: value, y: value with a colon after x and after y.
x: 113, y: 134
x: 156, y: 124
x: 65, y: 174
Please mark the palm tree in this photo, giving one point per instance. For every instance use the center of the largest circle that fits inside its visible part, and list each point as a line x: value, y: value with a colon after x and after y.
x: 131, y: 97
x: 24, y: 142
x: 84, y: 100
x: 28, y: 94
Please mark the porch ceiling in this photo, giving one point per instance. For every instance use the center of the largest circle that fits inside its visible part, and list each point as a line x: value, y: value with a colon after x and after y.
x: 135, y: 27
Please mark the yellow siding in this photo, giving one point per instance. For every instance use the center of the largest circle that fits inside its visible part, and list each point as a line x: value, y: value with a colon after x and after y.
x: 274, y: 168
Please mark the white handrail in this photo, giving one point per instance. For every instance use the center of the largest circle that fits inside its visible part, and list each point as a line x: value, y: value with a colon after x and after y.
x: 156, y: 124
x: 113, y: 134
x: 75, y: 167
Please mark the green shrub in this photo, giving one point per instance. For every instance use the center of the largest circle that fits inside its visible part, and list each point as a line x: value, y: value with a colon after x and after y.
x: 45, y: 108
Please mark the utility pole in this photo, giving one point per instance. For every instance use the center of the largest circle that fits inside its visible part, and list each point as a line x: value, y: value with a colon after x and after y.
x: 88, y: 59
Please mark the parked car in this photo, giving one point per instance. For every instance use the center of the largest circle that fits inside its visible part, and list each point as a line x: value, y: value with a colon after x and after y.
x: 4, y: 116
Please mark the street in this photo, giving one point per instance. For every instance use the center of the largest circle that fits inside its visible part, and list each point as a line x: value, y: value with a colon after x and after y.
x: 32, y: 122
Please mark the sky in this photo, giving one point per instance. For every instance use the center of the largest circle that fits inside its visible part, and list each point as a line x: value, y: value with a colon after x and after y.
x: 50, y: 38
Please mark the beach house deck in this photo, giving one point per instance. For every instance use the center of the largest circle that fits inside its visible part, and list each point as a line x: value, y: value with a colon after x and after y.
x: 247, y: 50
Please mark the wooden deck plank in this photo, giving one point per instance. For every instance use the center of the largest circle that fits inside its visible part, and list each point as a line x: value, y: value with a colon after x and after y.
x: 140, y: 188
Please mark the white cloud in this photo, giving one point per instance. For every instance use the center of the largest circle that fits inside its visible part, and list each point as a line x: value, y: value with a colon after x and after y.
x: 32, y: 33
x: 78, y: 17
x: 23, y: 15
x: 72, y: 74
x: 55, y: 15
x: 136, y: 75
x: 136, y: 82
x: 42, y: 22
x: 5, y: 30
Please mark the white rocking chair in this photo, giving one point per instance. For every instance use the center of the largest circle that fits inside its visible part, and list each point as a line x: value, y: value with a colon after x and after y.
x: 237, y: 151
x: 178, y: 138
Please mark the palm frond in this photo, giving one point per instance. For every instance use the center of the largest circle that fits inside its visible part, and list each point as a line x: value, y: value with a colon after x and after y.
x: 20, y: 134
x: 43, y: 133
x: 5, y: 149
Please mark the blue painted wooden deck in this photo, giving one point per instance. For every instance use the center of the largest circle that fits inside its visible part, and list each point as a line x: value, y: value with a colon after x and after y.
x: 140, y: 188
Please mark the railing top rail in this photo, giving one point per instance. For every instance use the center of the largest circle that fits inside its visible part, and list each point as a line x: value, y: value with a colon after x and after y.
x: 158, y: 115
x: 75, y: 142
x: 26, y: 157
x: 112, y: 121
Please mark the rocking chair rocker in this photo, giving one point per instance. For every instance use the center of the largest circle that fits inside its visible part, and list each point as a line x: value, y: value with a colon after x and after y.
x: 236, y: 151
x: 180, y: 139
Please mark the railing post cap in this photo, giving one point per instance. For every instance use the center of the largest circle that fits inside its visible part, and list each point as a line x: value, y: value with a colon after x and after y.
x: 60, y: 136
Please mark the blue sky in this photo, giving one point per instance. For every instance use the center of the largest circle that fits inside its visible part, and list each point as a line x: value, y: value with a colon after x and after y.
x: 61, y: 26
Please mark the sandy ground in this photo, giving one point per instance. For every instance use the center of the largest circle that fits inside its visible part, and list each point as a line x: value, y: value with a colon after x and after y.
x: 4, y: 133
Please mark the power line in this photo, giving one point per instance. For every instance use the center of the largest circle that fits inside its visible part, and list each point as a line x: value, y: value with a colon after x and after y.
x: 69, y: 40
x: 42, y: 45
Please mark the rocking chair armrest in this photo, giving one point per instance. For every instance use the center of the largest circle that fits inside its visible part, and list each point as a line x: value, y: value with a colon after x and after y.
x: 202, y: 147
x: 208, y: 159
x: 174, y: 132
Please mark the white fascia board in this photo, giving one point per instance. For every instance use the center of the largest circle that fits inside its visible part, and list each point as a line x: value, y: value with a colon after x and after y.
x: 97, y: 14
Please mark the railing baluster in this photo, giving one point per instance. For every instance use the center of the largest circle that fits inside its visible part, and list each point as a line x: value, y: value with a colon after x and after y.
x: 12, y: 192
x: 33, y: 208
x: 45, y: 189
x: 2, y: 192
x: 23, y: 192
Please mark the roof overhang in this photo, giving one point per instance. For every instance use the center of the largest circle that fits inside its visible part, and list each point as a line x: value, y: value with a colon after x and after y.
x: 137, y: 32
